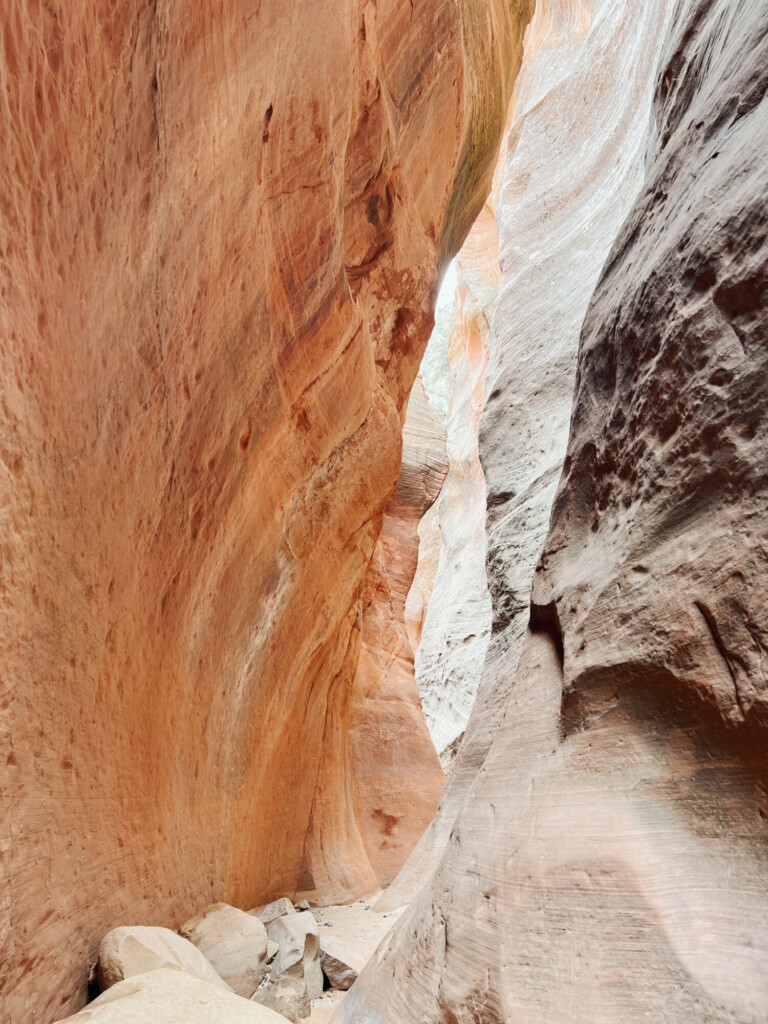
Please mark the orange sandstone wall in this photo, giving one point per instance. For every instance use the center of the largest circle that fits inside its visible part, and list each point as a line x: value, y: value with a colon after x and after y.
x: 380, y: 777
x: 220, y: 226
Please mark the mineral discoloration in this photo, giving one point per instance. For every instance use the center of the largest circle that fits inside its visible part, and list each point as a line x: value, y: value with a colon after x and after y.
x: 218, y: 253
x: 609, y: 861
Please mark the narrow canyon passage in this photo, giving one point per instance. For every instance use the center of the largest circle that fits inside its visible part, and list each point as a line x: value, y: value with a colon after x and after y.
x: 342, y: 681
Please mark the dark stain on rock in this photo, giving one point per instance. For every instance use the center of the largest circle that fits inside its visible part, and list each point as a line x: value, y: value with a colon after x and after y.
x: 386, y: 821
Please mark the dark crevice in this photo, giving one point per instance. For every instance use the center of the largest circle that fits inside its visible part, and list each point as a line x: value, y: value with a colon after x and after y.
x: 545, y: 619
x: 729, y: 659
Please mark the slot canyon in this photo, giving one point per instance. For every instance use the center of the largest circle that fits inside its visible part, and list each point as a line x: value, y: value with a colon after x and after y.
x: 384, y: 512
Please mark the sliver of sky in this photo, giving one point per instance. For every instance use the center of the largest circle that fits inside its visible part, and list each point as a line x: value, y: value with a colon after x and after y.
x: 435, y: 368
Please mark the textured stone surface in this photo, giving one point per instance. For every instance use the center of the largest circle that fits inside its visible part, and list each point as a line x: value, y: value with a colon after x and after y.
x: 218, y: 251
x: 234, y: 942
x: 273, y: 910
x: 167, y: 997
x: 610, y: 862
x: 665, y: 492
x: 125, y: 952
x: 449, y: 605
x: 565, y: 183
x: 394, y: 793
x: 295, y: 975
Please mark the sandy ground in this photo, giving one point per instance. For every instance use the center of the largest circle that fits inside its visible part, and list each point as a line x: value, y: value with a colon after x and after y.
x: 361, y: 928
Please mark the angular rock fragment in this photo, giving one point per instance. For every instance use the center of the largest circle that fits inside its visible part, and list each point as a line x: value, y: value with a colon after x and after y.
x: 296, y: 976
x: 129, y: 951
x: 273, y: 910
x: 340, y: 963
x: 285, y: 995
x: 234, y: 942
x: 168, y: 996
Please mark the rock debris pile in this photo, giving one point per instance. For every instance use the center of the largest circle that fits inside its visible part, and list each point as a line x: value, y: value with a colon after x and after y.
x: 271, y: 964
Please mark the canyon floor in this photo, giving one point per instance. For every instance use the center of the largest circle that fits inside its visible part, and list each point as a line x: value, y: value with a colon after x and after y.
x: 358, y: 927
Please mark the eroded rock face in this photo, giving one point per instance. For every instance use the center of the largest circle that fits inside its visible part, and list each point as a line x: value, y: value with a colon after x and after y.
x: 610, y: 861
x: 394, y: 794
x: 665, y: 492
x: 218, y: 252
x: 573, y: 163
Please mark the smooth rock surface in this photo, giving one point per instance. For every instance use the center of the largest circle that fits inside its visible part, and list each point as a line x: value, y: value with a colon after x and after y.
x: 449, y: 604
x: 234, y: 942
x: 127, y: 951
x: 170, y: 997
x: 393, y: 794
x: 609, y: 862
x: 572, y: 164
x: 221, y: 230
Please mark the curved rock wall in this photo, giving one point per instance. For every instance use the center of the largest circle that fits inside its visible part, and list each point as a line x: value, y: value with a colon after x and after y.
x: 610, y: 862
x: 452, y: 606
x: 393, y: 777
x: 218, y: 251
x: 574, y: 161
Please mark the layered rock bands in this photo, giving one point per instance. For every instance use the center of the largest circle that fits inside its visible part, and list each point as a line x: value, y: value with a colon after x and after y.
x: 607, y: 857
x: 221, y: 226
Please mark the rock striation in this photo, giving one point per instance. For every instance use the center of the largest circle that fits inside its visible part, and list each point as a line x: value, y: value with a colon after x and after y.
x: 394, y: 775
x: 218, y: 253
x: 610, y: 861
x: 564, y: 188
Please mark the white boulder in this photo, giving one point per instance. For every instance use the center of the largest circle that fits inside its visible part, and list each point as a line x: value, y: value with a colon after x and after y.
x: 234, y: 942
x: 130, y: 951
x: 170, y: 997
x: 296, y: 977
